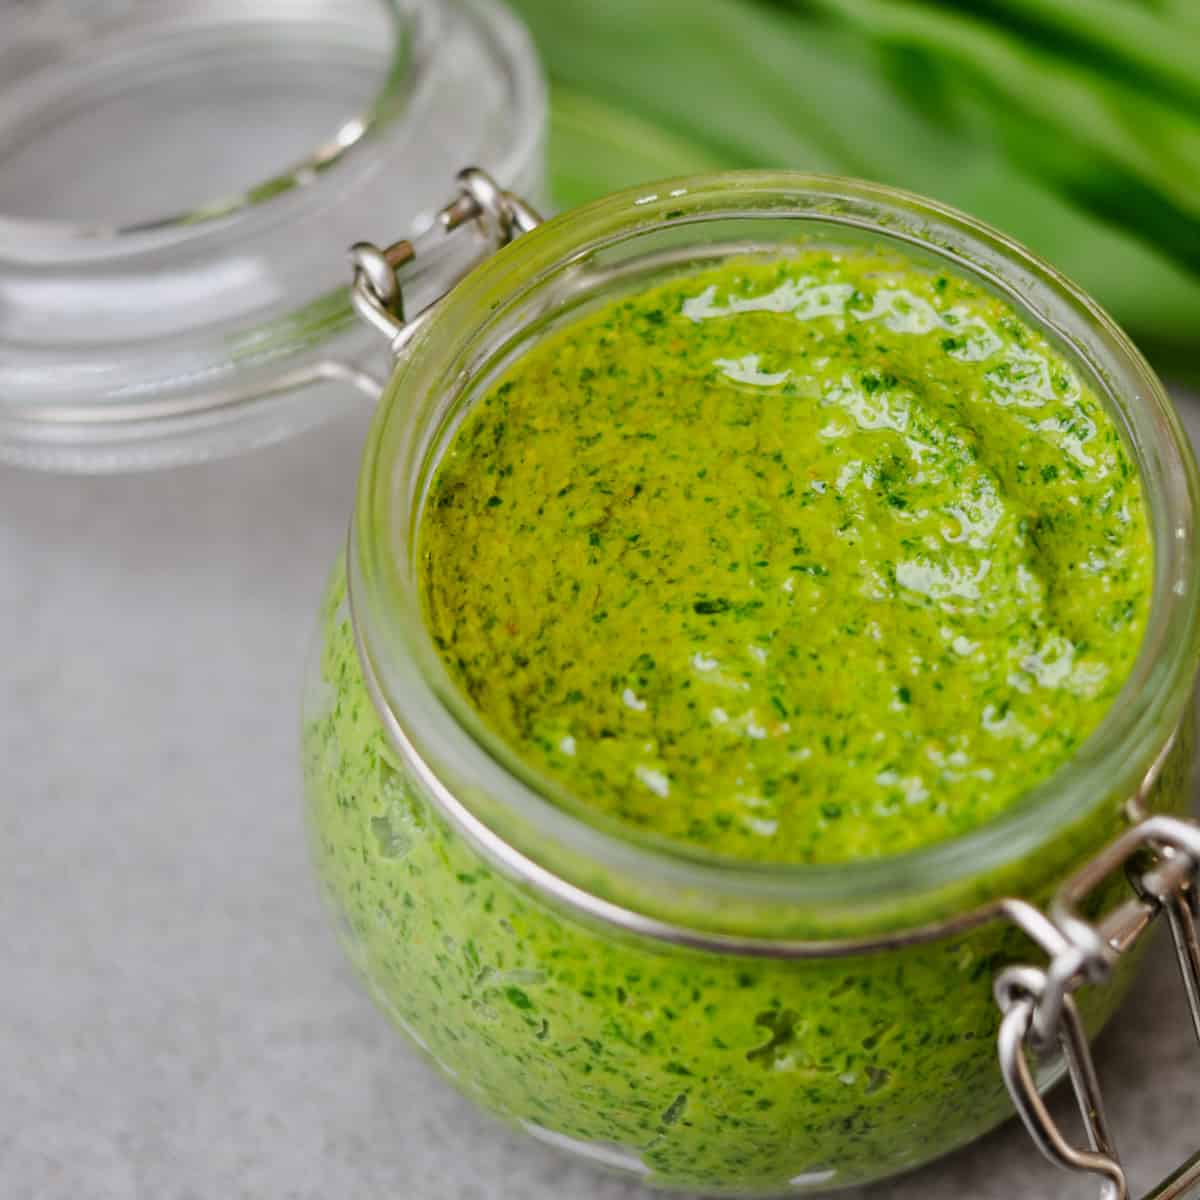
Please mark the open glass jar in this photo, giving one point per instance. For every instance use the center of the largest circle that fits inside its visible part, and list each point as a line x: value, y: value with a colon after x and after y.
x: 731, y: 1029
x: 179, y: 181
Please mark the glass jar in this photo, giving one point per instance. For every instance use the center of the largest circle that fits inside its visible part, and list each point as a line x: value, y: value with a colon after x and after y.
x: 179, y: 181
x: 740, y: 1030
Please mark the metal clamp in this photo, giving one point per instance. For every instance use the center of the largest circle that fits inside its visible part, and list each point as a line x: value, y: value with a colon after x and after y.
x: 377, y: 294
x: 1039, y: 1010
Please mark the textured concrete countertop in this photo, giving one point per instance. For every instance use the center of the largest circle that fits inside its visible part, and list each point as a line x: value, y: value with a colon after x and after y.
x: 176, y: 1020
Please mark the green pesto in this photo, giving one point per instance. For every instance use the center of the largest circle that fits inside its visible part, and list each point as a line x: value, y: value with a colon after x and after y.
x: 808, y: 560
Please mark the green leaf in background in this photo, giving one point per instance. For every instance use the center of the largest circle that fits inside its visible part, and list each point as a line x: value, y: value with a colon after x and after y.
x: 1074, y: 127
x: 1110, y: 144
x: 596, y: 148
x: 1155, y: 44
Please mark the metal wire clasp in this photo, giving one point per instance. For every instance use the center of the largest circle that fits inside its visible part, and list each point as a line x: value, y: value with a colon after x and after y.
x: 1040, y: 1012
x: 376, y: 292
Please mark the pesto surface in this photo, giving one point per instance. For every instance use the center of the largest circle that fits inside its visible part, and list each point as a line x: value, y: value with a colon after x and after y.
x: 806, y: 560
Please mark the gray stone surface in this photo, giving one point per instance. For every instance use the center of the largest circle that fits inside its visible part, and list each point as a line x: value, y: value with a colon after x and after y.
x: 176, y: 1021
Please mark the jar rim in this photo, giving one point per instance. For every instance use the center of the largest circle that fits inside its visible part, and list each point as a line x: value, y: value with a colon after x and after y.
x: 968, y: 869
x: 355, y: 131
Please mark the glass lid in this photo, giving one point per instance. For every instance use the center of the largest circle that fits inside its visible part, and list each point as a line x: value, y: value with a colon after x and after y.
x: 179, y: 183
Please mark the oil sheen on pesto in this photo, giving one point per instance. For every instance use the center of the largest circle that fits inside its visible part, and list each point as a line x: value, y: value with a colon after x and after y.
x: 806, y: 560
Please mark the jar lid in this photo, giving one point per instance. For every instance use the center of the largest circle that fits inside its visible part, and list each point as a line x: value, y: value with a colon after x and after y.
x: 179, y: 183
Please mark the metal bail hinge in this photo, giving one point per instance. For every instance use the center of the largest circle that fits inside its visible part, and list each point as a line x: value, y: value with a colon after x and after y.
x: 1039, y: 1010
x: 376, y: 292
